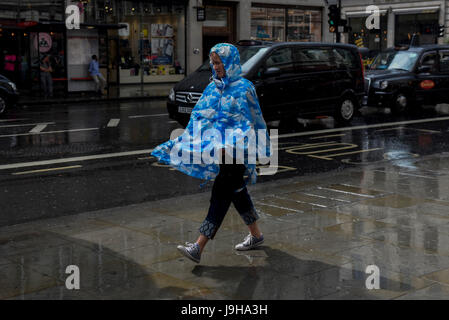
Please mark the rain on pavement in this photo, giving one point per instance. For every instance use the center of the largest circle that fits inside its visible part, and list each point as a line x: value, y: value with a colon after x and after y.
x: 343, y: 198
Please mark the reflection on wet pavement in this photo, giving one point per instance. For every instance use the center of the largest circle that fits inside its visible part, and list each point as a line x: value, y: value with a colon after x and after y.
x: 321, y: 233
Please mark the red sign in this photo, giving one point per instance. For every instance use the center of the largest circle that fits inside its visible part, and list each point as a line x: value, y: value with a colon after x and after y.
x: 27, y: 24
x: 427, y: 84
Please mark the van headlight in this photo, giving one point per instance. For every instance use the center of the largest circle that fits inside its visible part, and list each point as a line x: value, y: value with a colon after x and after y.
x: 383, y: 84
x: 13, y: 86
x: 171, y: 95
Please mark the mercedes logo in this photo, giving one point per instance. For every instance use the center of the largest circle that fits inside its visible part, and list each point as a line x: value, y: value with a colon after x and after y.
x: 189, y: 98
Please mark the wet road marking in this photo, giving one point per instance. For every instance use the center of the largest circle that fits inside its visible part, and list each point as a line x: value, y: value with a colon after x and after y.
x: 279, y: 169
x: 148, y: 115
x: 46, y: 132
x: 328, y: 157
x: 12, y: 120
x: 26, y: 124
x: 348, y: 192
x: 329, y: 136
x: 46, y: 170
x: 113, y: 123
x: 73, y: 159
x: 380, y: 125
x: 38, y: 128
x: 405, y: 128
x: 344, y: 146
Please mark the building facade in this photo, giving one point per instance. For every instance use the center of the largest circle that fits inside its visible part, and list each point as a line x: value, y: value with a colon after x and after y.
x: 137, y: 42
x: 273, y: 20
x: 399, y: 20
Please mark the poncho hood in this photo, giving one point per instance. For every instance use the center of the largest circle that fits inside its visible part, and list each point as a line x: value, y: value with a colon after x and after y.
x: 230, y: 58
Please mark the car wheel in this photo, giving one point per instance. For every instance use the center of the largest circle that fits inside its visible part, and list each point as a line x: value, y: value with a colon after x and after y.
x: 345, y: 110
x: 400, y: 104
x: 2, y: 104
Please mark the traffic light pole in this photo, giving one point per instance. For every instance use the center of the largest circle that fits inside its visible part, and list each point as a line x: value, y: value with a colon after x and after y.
x: 337, y: 33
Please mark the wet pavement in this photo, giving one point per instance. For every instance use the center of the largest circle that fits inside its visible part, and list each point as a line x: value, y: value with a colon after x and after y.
x: 344, y: 198
x: 321, y: 233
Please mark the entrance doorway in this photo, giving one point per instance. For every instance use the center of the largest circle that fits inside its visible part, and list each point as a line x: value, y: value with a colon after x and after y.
x: 219, y: 25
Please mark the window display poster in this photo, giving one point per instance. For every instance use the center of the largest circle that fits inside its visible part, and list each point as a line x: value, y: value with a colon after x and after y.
x: 161, y: 30
x: 162, y: 51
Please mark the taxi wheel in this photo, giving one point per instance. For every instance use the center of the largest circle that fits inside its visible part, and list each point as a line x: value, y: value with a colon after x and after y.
x: 400, y: 104
x: 345, y: 110
x: 2, y: 104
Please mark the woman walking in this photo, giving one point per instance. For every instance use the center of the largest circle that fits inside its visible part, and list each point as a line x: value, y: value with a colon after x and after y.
x: 228, y: 104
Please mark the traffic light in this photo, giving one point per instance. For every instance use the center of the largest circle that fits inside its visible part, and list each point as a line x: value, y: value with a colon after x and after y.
x: 334, y: 17
x: 440, y: 31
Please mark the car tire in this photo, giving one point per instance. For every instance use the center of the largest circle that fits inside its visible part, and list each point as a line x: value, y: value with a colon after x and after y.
x: 400, y: 104
x: 346, y: 109
x: 2, y: 104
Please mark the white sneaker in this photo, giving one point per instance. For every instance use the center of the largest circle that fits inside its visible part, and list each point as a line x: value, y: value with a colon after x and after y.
x: 249, y: 243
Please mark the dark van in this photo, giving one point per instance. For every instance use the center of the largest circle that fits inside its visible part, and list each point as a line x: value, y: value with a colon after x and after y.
x: 291, y: 79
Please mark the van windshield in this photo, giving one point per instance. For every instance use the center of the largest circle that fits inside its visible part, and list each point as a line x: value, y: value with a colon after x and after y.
x: 248, y: 57
x: 402, y: 60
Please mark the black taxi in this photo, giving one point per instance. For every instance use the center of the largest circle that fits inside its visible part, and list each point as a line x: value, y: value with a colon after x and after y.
x: 407, y: 77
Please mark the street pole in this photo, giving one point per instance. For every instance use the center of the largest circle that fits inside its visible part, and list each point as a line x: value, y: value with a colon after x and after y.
x: 338, y: 36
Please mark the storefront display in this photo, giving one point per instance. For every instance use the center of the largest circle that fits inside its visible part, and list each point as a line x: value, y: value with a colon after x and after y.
x: 285, y: 24
x: 149, y: 50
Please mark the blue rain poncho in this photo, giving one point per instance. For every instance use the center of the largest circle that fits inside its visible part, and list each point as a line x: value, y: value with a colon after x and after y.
x: 228, y: 116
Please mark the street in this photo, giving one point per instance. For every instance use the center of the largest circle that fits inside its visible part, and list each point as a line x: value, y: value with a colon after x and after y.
x: 344, y: 198
x: 70, y: 159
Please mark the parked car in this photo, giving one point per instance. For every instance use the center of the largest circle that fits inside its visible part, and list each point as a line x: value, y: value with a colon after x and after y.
x: 8, y: 94
x: 292, y: 79
x: 406, y: 77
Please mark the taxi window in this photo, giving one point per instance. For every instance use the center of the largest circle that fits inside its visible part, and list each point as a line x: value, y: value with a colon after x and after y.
x: 430, y: 59
x: 444, y: 61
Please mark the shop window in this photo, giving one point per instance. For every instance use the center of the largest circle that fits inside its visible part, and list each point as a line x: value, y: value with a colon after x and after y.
x: 268, y: 24
x: 375, y: 40
x: 422, y: 24
x: 216, y: 17
x: 304, y: 25
x: 151, y: 47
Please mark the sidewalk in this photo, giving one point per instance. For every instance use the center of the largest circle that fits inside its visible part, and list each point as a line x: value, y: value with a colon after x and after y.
x: 321, y: 232
x: 123, y: 92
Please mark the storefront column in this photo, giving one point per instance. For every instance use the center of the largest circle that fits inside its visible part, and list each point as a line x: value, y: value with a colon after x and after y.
x: 390, y: 29
x: 244, y: 19
x: 194, y: 39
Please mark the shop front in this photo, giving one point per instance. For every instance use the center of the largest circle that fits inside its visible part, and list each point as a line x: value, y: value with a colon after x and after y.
x: 136, y: 42
x: 286, y: 23
x: 399, y: 22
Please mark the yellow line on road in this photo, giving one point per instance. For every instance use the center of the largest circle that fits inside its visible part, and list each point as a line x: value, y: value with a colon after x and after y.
x: 328, y: 156
x: 45, y: 170
x: 329, y: 136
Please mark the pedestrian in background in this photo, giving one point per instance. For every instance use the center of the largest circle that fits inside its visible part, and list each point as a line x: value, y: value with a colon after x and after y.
x: 229, y: 102
x: 46, y: 78
x: 94, y: 70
